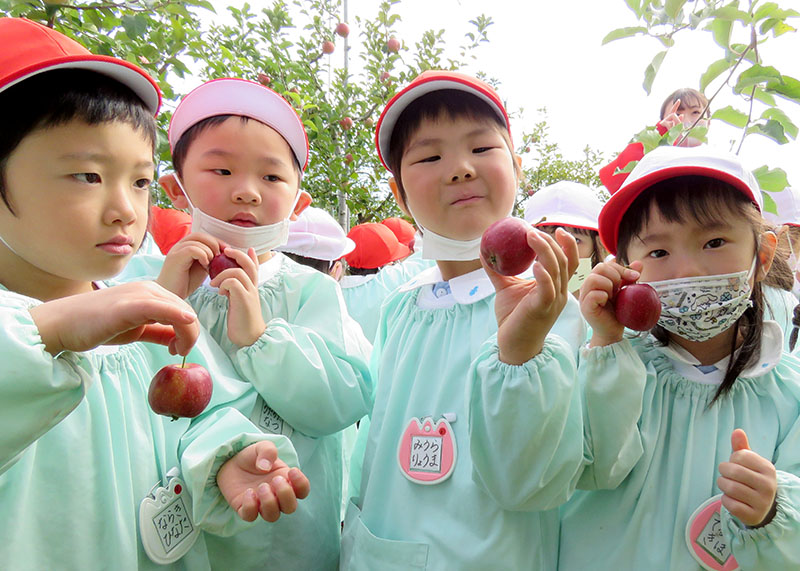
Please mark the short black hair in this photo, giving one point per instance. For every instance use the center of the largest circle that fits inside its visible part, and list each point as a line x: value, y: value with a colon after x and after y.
x: 323, y: 266
x: 57, y: 97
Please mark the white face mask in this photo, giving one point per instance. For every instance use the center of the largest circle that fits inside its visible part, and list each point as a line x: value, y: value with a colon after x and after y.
x: 261, y: 238
x: 700, y: 308
x: 583, y: 271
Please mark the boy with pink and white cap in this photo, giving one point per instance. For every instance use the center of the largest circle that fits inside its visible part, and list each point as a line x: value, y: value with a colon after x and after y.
x: 239, y: 150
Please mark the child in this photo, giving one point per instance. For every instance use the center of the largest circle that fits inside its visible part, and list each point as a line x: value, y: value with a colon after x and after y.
x: 573, y: 207
x: 688, y: 219
x: 476, y: 427
x: 80, y: 447
x: 239, y: 150
x: 685, y: 106
x: 405, y: 232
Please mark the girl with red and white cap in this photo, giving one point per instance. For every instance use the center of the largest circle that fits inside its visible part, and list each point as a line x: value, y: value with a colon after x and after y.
x: 476, y: 432
x: 701, y: 495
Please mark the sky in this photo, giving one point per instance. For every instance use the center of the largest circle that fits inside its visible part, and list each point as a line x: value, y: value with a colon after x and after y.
x: 550, y: 54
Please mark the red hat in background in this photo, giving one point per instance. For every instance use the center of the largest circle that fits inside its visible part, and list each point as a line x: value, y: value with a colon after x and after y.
x: 376, y: 246
x: 30, y: 48
x: 403, y: 230
x: 168, y: 226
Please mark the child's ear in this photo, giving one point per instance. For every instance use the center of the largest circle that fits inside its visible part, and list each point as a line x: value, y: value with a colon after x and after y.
x: 398, y: 197
x: 173, y: 191
x: 766, y: 253
x: 518, y: 160
x: 302, y: 203
x: 337, y: 270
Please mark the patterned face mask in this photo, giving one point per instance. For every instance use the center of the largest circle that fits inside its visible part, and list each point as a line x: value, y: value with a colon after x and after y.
x: 700, y: 308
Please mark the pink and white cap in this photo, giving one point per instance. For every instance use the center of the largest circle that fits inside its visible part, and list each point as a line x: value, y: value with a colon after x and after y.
x: 232, y: 96
x: 668, y: 162
x: 316, y: 234
x: 787, y: 202
x: 564, y: 203
x: 428, y: 82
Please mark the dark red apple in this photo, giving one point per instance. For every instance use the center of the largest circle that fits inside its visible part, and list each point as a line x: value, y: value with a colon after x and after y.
x: 637, y: 306
x: 328, y: 47
x: 505, y: 247
x: 346, y: 123
x: 219, y: 263
x: 342, y: 29
x: 264, y: 79
x: 180, y: 391
x: 348, y: 158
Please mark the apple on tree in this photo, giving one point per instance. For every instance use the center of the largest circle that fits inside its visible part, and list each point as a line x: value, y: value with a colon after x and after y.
x: 637, y: 306
x: 342, y: 29
x: 504, y: 246
x: 328, y: 47
x: 180, y: 391
x: 393, y: 45
x: 264, y: 79
x: 346, y: 123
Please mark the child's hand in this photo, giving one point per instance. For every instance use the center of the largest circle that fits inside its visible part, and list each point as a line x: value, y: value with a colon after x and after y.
x: 136, y: 311
x: 671, y: 117
x: 527, y: 309
x: 240, y: 286
x: 595, y: 298
x: 256, y: 481
x: 186, y: 265
x: 748, y: 483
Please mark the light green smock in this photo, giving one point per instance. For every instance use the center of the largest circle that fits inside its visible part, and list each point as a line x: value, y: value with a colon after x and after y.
x: 80, y: 449
x: 518, y: 433
x: 641, y: 524
x: 779, y: 307
x: 310, y: 366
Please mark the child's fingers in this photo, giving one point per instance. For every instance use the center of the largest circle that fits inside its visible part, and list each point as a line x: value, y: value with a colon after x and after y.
x: 549, y: 255
x: 739, y: 440
x: 269, y: 507
x: 545, y: 284
x: 300, y: 483
x: 265, y: 455
x: 569, y: 246
x: 249, y: 509
x: 287, y: 501
x: 675, y: 106
x: 246, y: 260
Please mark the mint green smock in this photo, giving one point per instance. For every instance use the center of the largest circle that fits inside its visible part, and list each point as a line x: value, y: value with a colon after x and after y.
x: 779, y: 307
x: 310, y: 366
x: 80, y: 449
x: 364, y: 299
x: 518, y: 432
x: 641, y: 524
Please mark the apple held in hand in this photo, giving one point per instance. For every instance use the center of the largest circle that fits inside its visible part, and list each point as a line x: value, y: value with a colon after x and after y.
x: 220, y: 263
x: 505, y: 247
x: 637, y: 306
x: 180, y: 390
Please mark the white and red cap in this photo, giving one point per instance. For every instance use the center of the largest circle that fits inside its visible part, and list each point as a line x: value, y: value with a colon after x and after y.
x: 787, y: 202
x: 316, y: 234
x: 564, y: 203
x: 233, y: 96
x: 668, y: 162
x: 30, y: 48
x: 428, y: 82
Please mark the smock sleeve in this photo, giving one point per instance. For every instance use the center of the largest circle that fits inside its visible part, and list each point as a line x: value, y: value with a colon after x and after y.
x: 525, y: 426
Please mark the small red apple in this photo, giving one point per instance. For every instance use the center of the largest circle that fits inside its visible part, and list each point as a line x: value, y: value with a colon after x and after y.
x: 328, y: 47
x: 386, y: 76
x: 180, y: 391
x: 342, y: 29
x: 264, y: 79
x: 637, y: 306
x: 348, y: 158
x: 393, y: 45
x: 219, y: 263
x: 505, y: 247
x: 369, y: 122
x: 346, y: 123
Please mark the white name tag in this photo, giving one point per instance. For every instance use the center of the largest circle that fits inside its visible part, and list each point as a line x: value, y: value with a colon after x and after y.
x: 165, y: 521
x: 268, y: 420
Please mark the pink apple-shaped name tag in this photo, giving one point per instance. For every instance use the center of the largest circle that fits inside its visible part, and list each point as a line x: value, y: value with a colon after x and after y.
x: 427, y: 452
x: 705, y: 539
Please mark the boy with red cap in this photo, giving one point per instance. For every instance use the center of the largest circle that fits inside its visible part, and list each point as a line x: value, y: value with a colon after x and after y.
x: 87, y: 469
x: 239, y: 150
x: 403, y: 230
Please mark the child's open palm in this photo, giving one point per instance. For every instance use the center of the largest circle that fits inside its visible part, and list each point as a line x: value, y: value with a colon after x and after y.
x: 527, y: 309
x: 748, y: 483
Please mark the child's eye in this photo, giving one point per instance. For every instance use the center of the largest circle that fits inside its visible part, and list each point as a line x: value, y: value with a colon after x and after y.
x: 87, y: 177
x: 658, y: 253
x: 715, y: 243
x: 143, y: 183
x: 481, y: 149
x: 272, y: 178
x: 223, y: 172
x: 430, y: 159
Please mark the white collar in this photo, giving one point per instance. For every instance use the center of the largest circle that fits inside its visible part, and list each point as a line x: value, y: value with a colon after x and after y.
x: 469, y: 288
x: 355, y: 280
x: 771, y: 353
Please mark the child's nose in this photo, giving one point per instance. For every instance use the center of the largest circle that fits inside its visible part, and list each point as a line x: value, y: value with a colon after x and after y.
x: 462, y: 169
x: 246, y: 193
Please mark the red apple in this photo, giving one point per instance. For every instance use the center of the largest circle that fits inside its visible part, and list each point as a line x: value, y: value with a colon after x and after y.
x: 264, y: 79
x: 505, y: 247
x: 346, y: 123
x: 386, y: 76
x: 328, y: 47
x: 180, y: 391
x: 637, y: 306
x: 348, y: 158
x: 393, y: 45
x: 342, y: 29
x: 219, y: 263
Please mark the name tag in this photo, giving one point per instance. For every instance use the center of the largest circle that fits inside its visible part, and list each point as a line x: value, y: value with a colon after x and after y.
x: 705, y: 539
x: 165, y: 521
x: 268, y: 420
x: 426, y: 452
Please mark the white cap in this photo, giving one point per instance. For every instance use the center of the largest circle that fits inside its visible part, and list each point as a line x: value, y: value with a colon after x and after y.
x: 564, y: 203
x: 316, y: 234
x: 231, y: 96
x: 788, y: 203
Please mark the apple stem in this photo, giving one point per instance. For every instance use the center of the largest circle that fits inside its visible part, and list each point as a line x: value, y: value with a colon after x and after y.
x: 183, y: 363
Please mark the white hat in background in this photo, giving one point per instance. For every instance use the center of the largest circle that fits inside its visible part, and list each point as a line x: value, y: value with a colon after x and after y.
x: 316, y: 234
x: 564, y: 203
x: 788, y: 203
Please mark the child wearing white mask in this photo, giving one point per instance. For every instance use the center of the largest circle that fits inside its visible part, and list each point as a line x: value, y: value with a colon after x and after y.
x: 701, y: 496
x: 574, y: 207
x: 239, y: 150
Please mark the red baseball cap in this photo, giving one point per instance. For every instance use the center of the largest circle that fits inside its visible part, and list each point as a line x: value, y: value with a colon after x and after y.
x: 428, y: 82
x: 233, y: 96
x: 668, y: 162
x: 30, y: 48
x: 403, y: 230
x: 376, y: 246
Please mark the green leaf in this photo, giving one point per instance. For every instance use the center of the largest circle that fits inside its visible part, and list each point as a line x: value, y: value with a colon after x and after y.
x: 771, y: 180
x: 635, y: 5
x: 765, y: 10
x: 652, y: 70
x: 721, y: 30
x: 771, y: 129
x: 754, y: 75
x: 731, y: 116
x: 713, y: 72
x: 787, y: 87
x: 764, y: 97
x: 623, y: 33
x: 135, y: 26
x: 674, y: 7
x: 776, y: 114
x: 769, y: 203
x: 731, y: 13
